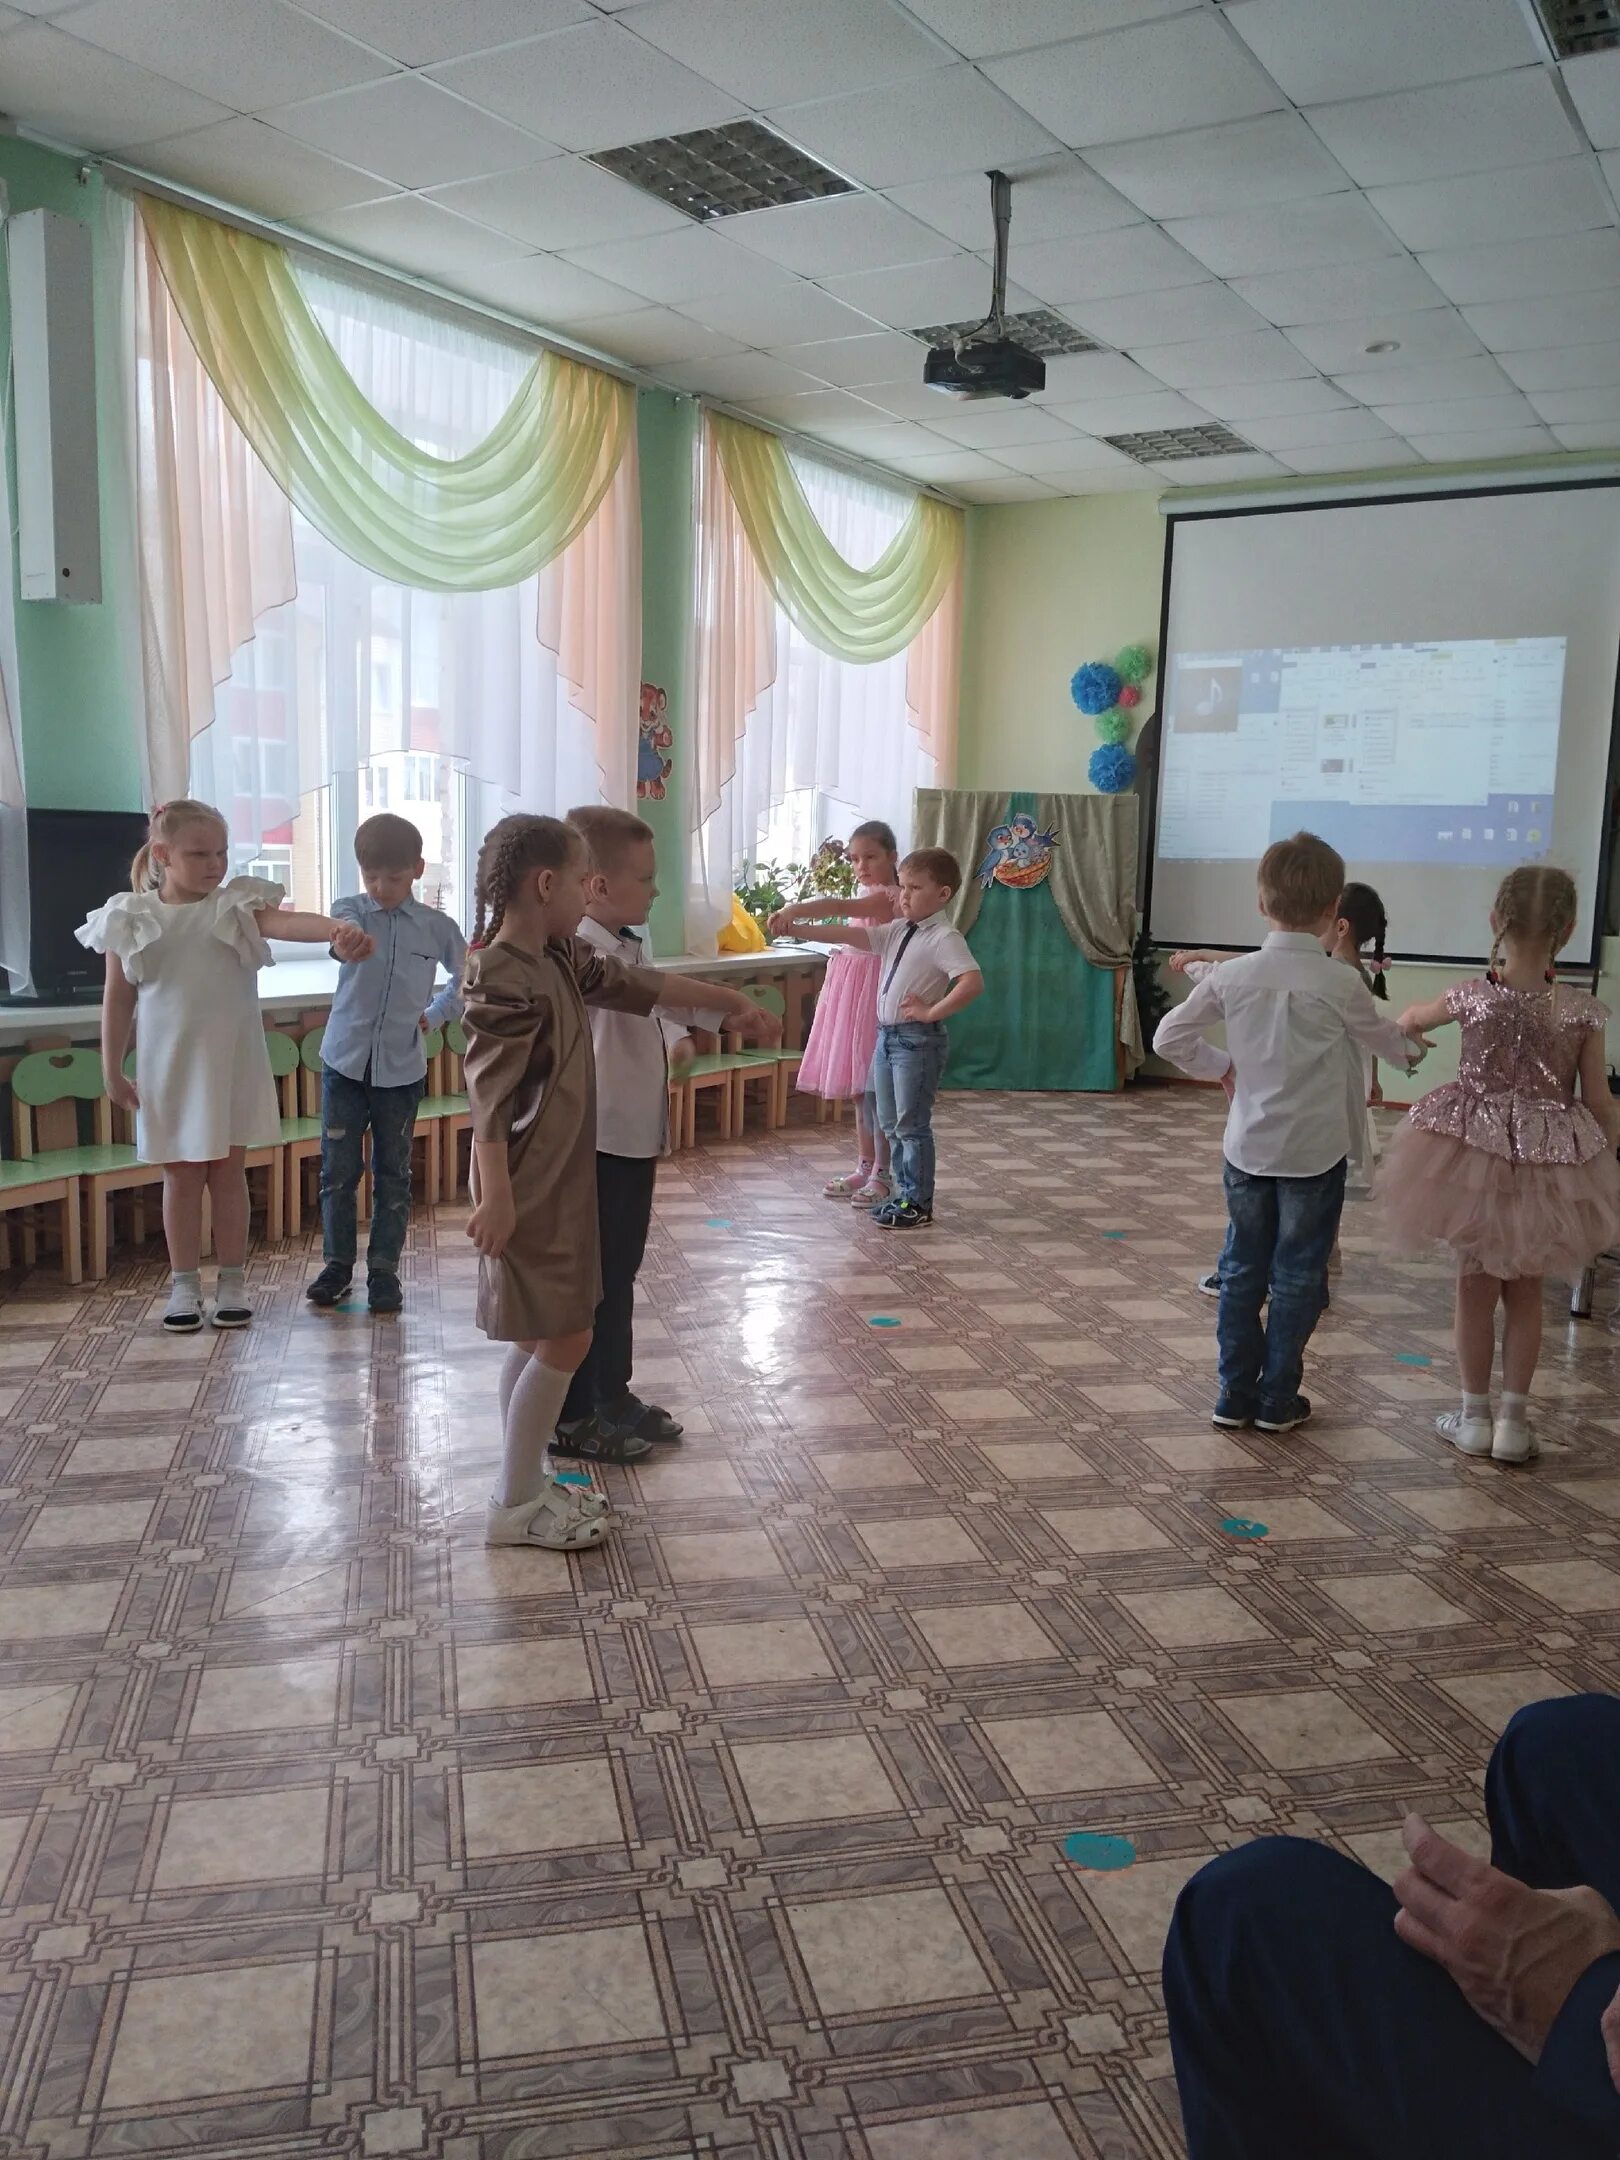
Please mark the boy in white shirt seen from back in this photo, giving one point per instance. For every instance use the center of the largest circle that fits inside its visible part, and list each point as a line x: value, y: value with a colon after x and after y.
x: 1287, y: 1009
x: 926, y: 972
x: 601, y: 1419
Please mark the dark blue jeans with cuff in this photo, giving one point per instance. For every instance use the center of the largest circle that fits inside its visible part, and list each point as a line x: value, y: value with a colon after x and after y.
x: 907, y: 1068
x: 348, y: 1109
x: 1280, y: 1231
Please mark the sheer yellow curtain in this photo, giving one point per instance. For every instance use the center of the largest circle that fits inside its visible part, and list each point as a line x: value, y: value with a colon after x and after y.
x: 469, y: 524
x: 861, y: 615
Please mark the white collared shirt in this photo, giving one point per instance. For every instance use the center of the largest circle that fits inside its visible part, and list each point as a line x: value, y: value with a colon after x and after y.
x: 1289, y: 1010
x: 632, y: 1057
x: 935, y: 955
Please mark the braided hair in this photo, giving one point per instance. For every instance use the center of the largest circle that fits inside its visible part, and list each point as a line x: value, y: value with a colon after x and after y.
x: 1536, y: 905
x: 515, y: 849
x: 1362, y: 909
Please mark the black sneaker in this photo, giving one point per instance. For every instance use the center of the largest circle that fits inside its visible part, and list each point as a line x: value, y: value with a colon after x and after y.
x: 331, y: 1284
x: 383, y: 1293
x: 1297, y: 1413
x: 902, y: 1215
x: 646, y: 1419
x: 593, y: 1439
x: 1209, y: 1285
x: 1230, y: 1416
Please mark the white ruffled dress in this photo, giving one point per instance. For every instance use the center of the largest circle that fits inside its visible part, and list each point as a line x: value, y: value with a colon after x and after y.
x: 201, y: 1068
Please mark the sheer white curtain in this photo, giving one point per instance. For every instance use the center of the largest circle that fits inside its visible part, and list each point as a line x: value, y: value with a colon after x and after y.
x: 360, y: 694
x: 14, y: 902
x: 829, y: 742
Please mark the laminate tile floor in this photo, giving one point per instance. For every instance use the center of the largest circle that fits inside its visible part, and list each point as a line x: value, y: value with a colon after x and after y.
x: 323, y: 1830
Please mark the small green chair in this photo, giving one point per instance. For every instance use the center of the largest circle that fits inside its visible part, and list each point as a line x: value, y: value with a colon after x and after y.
x: 45, y: 1086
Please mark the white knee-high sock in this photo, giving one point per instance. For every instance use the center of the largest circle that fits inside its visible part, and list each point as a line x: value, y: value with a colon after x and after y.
x: 532, y: 1411
x: 513, y: 1366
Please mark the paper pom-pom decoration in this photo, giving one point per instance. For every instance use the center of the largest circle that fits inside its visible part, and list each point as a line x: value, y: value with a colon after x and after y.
x: 1129, y: 696
x: 1112, y: 769
x: 1134, y: 664
x: 1114, y: 726
x: 1094, y: 687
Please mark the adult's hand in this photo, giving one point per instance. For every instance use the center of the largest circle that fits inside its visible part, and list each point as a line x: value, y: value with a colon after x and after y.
x: 1514, y: 1952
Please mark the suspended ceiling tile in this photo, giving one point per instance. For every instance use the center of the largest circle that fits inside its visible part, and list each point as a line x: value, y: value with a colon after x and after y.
x: 1387, y: 456
x: 1525, y: 325
x: 1133, y: 415
x: 413, y: 235
x: 1129, y: 478
x: 1323, y: 230
x: 817, y: 409
x: 81, y: 95
x: 882, y: 356
x: 954, y: 289
x: 1427, y: 382
x: 242, y: 161
x: 1102, y: 266
x: 777, y: 52
x: 544, y: 289
x: 1569, y: 408
x: 1209, y: 363
x: 1072, y: 376
x: 1458, y: 415
x: 1285, y: 433
x: 1155, y: 78
x: 889, y: 438
x: 1011, y: 488
x: 1589, y: 435
x: 908, y: 397
x: 779, y: 311
x: 950, y: 121
x: 249, y: 54
x: 840, y: 234
x: 1528, y: 269
x: 1061, y: 461
x: 743, y: 375
x: 1321, y: 49
x: 1391, y: 284
x: 1437, y: 333
x: 1460, y: 127
x: 1571, y: 367
x: 590, y: 88
x: 989, y: 425
x: 693, y: 263
x: 944, y: 468
x: 1218, y: 471
x: 981, y: 27
x: 1467, y: 449
x: 1237, y: 403
x: 1052, y: 200
x: 410, y: 131
x: 1166, y: 318
x: 563, y: 202
x: 1562, y: 195
x: 1593, y: 82
x: 419, y: 32
x: 651, y: 336
x: 1275, y: 158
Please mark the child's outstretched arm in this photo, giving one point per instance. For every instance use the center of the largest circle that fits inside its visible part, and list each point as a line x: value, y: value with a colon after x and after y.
x: 1399, y: 1042
x: 832, y: 934
x: 1419, y: 1019
x: 688, y: 994
x: 347, y: 940
x: 829, y: 908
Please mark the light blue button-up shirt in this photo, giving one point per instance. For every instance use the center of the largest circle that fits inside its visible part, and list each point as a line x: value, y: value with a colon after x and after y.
x: 380, y: 1003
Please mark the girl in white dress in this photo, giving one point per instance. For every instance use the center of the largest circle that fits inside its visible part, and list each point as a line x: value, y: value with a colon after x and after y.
x: 183, y: 952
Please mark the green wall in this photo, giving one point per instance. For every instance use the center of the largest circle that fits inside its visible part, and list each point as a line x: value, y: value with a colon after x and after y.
x: 79, y: 743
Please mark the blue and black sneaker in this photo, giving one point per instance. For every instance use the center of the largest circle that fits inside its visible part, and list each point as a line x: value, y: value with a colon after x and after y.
x: 902, y: 1215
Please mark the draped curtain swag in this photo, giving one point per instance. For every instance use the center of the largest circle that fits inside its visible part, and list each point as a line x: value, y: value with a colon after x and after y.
x: 1092, y: 879
x: 466, y: 524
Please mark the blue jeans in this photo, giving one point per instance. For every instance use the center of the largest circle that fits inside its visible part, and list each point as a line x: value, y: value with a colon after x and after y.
x: 347, y: 1108
x: 1301, y: 2025
x: 1280, y: 1231
x: 906, y: 1072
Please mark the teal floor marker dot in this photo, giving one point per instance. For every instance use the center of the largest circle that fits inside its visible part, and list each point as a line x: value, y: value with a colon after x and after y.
x: 718, y: 1222
x: 1093, y: 1849
x: 1113, y: 1233
x: 573, y: 1477
x: 883, y: 1320
x: 1241, y: 1527
x: 1412, y: 1357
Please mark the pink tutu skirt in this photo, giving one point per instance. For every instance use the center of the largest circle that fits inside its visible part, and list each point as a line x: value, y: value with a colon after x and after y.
x: 1498, y: 1216
x: 843, y: 1035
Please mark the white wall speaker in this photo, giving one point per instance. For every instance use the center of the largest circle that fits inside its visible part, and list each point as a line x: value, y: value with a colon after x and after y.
x: 54, y: 372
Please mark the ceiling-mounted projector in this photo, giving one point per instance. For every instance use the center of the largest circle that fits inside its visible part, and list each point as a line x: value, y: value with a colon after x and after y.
x: 985, y: 362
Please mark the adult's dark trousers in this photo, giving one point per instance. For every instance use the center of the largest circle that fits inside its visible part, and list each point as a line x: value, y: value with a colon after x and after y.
x: 1303, y: 2028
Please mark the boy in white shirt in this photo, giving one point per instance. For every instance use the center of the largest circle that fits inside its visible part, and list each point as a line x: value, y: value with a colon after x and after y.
x: 602, y: 1420
x: 1287, y: 1010
x: 926, y: 972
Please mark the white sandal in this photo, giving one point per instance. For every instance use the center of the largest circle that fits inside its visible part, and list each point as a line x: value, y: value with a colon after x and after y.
x: 555, y: 1520
x: 1468, y: 1435
x: 842, y: 1188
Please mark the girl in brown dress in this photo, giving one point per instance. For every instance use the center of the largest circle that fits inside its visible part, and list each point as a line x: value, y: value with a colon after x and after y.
x: 531, y: 1088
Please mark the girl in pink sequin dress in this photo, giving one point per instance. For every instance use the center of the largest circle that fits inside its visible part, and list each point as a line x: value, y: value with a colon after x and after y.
x: 843, y: 1034
x: 1504, y: 1165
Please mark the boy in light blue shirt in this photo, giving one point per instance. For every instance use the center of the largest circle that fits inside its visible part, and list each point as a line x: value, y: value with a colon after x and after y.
x: 373, y: 1066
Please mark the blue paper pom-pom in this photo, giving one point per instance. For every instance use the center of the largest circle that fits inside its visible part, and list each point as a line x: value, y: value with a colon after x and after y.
x: 1094, y: 687
x: 1112, y: 769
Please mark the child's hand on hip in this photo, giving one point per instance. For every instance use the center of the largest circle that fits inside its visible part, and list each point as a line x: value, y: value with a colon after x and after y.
x: 491, y: 1223
x: 913, y: 1007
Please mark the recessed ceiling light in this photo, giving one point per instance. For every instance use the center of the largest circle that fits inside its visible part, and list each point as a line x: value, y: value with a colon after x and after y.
x: 1383, y: 345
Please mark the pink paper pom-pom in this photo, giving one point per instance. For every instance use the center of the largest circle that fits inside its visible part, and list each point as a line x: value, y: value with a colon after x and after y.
x: 1129, y: 695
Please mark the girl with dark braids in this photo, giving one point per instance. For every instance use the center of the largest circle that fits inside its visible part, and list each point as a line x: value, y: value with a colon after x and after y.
x: 531, y: 1088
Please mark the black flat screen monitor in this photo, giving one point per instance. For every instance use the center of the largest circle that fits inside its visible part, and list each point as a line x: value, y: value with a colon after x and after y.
x: 76, y: 860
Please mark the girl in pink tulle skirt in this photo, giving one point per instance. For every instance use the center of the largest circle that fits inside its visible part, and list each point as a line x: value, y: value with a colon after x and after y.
x: 843, y: 1034
x: 1504, y: 1166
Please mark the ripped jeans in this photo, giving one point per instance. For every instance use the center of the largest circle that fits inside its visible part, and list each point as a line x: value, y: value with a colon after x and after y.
x: 348, y: 1107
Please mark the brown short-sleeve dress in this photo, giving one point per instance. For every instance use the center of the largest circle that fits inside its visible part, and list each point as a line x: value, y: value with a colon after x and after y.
x: 531, y: 1081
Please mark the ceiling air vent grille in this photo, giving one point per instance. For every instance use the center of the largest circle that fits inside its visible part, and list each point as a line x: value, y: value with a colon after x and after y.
x: 1157, y: 446
x: 1577, y: 27
x: 718, y: 172
x: 1038, y: 330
